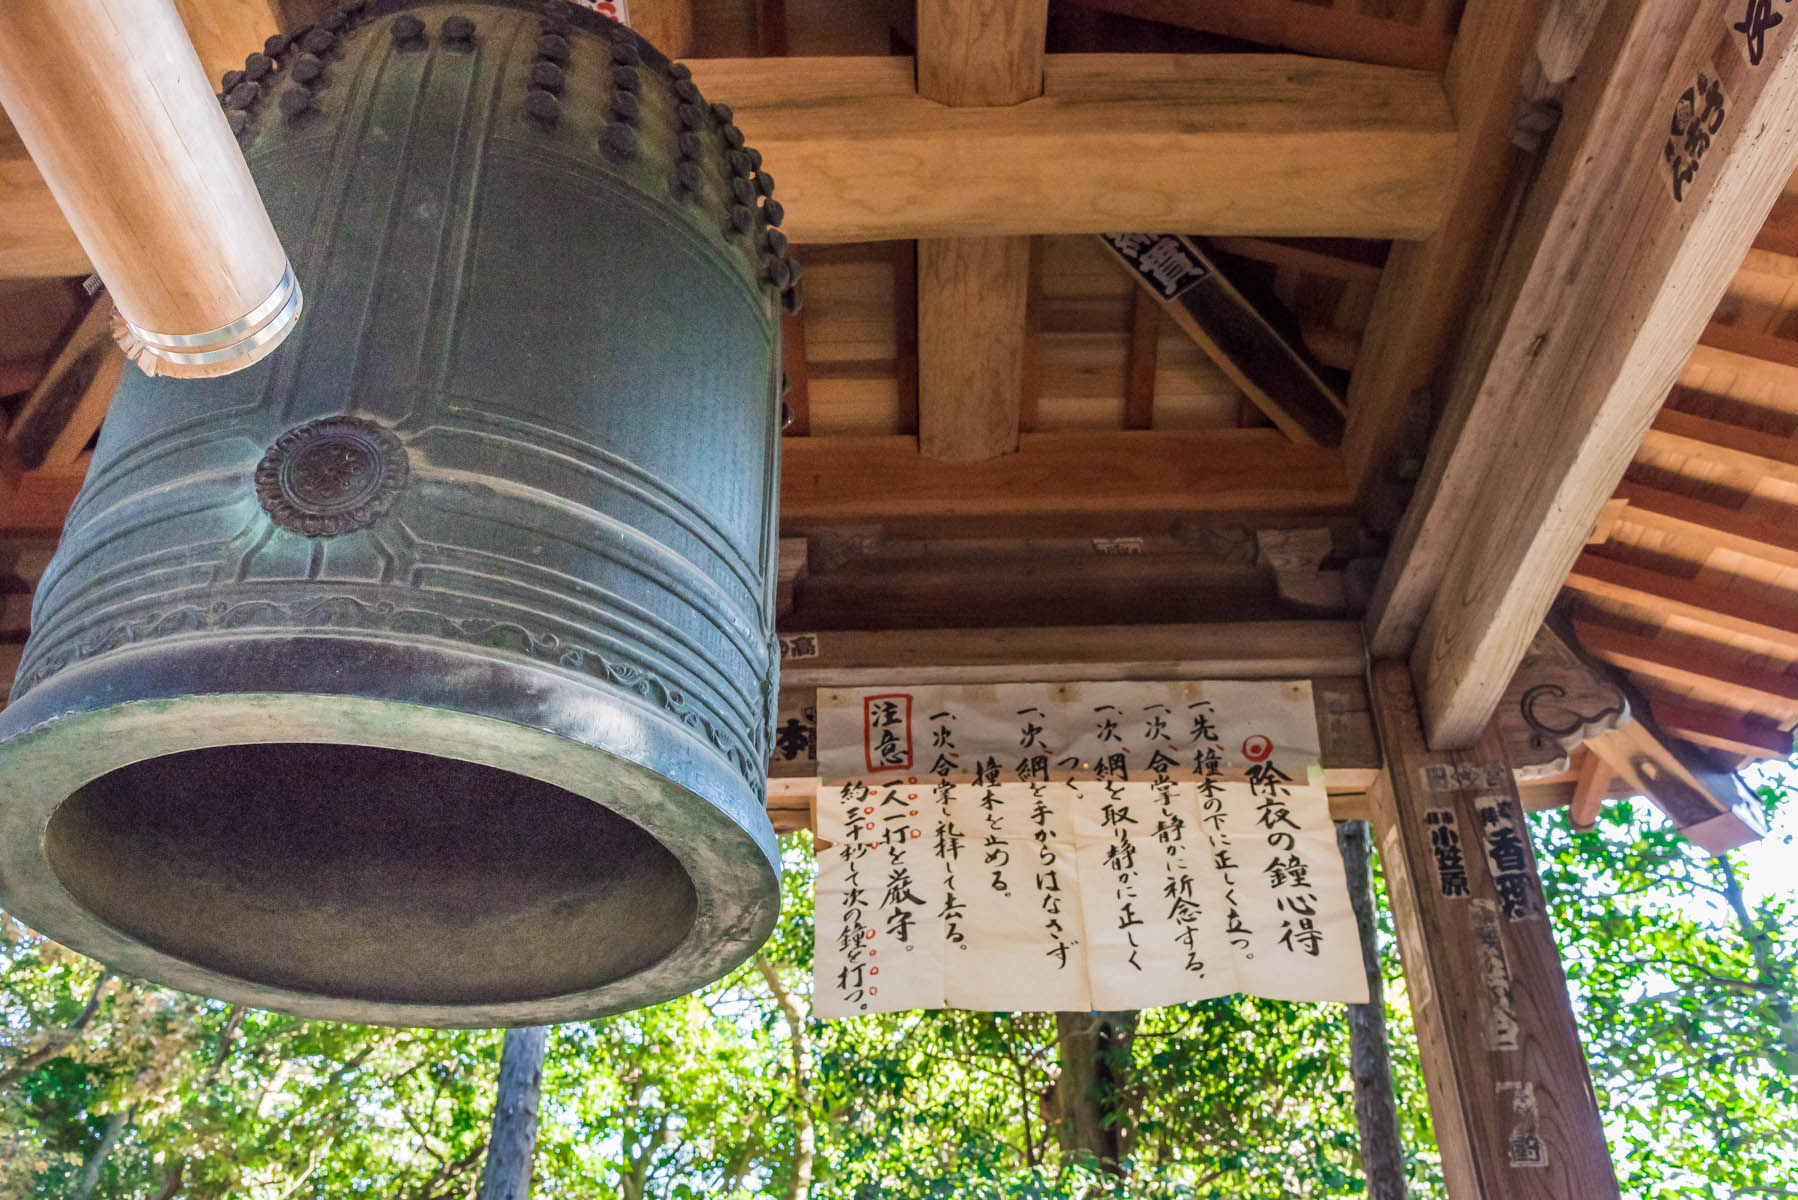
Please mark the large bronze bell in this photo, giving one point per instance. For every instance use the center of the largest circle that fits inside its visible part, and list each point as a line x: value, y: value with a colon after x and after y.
x: 423, y: 673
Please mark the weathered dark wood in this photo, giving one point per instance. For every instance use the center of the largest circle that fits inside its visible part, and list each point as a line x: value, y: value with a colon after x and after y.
x: 1510, y: 1095
x: 1145, y: 343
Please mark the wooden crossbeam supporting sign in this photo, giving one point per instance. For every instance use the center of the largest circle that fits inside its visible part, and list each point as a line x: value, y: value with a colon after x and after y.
x: 1275, y: 377
x: 1510, y: 1096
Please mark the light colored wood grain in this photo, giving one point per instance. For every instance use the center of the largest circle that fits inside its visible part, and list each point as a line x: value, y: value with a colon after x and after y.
x: 1487, y: 992
x: 1287, y: 146
x: 1599, y: 300
x: 1092, y: 483
x: 972, y: 294
x: 1425, y: 289
x: 974, y: 53
x: 1590, y: 790
x: 133, y: 146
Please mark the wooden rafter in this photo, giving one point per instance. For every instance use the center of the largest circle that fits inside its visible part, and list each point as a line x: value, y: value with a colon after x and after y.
x: 1705, y: 672
x: 1720, y: 729
x: 1708, y: 604
x: 1764, y: 537
x: 1757, y: 453
x: 1601, y: 296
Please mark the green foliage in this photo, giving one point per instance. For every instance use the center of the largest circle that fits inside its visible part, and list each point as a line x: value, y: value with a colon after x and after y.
x: 701, y: 1097
x: 1684, y: 991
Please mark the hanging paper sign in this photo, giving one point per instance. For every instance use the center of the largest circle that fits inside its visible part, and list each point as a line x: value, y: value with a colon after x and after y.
x: 1038, y: 847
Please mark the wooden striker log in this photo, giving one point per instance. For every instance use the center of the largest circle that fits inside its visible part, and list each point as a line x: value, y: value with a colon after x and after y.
x: 111, y: 101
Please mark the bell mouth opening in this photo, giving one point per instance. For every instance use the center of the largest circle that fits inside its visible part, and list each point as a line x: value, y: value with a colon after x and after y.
x: 370, y: 874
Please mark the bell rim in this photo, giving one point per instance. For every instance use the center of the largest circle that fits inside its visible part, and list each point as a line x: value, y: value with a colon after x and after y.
x: 713, y: 839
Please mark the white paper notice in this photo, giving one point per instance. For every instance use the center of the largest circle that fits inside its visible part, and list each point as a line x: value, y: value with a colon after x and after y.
x: 1067, y: 847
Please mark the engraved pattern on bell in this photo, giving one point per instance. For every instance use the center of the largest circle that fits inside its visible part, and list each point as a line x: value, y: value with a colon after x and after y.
x: 331, y: 476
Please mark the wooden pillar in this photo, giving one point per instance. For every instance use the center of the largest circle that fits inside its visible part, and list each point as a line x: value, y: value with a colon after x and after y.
x: 110, y: 99
x: 973, y: 292
x: 1509, y: 1093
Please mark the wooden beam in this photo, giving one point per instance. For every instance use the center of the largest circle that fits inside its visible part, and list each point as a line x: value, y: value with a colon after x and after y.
x: 65, y: 385
x: 905, y: 332
x: 1779, y: 233
x: 1334, y: 258
x: 1071, y: 483
x: 1709, y: 807
x: 1236, y: 336
x: 1705, y: 672
x: 39, y: 504
x: 1295, y: 25
x: 1350, y: 749
x: 1426, y: 287
x: 1145, y: 346
x: 972, y: 293
x: 1288, y: 146
x: 1616, y: 265
x: 1765, y: 538
x: 1720, y: 729
x: 1751, y: 343
x: 225, y: 32
x: 89, y: 410
x: 1221, y: 650
x: 792, y: 362
x: 1749, y: 450
x: 1706, y: 603
x: 1510, y: 1096
x: 976, y: 53
x: 1590, y: 790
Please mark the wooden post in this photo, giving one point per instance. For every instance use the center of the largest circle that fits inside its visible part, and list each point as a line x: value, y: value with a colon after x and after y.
x: 110, y: 99
x: 1512, y: 1103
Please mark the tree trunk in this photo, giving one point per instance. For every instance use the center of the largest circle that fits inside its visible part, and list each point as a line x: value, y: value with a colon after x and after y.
x: 96, y: 1162
x: 1092, y: 1103
x: 513, y: 1144
x: 58, y: 1040
x: 1370, y: 1053
x: 799, y: 1184
x: 1767, y: 973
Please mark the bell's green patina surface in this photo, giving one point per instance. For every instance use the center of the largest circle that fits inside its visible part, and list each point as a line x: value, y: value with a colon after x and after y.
x: 424, y: 672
